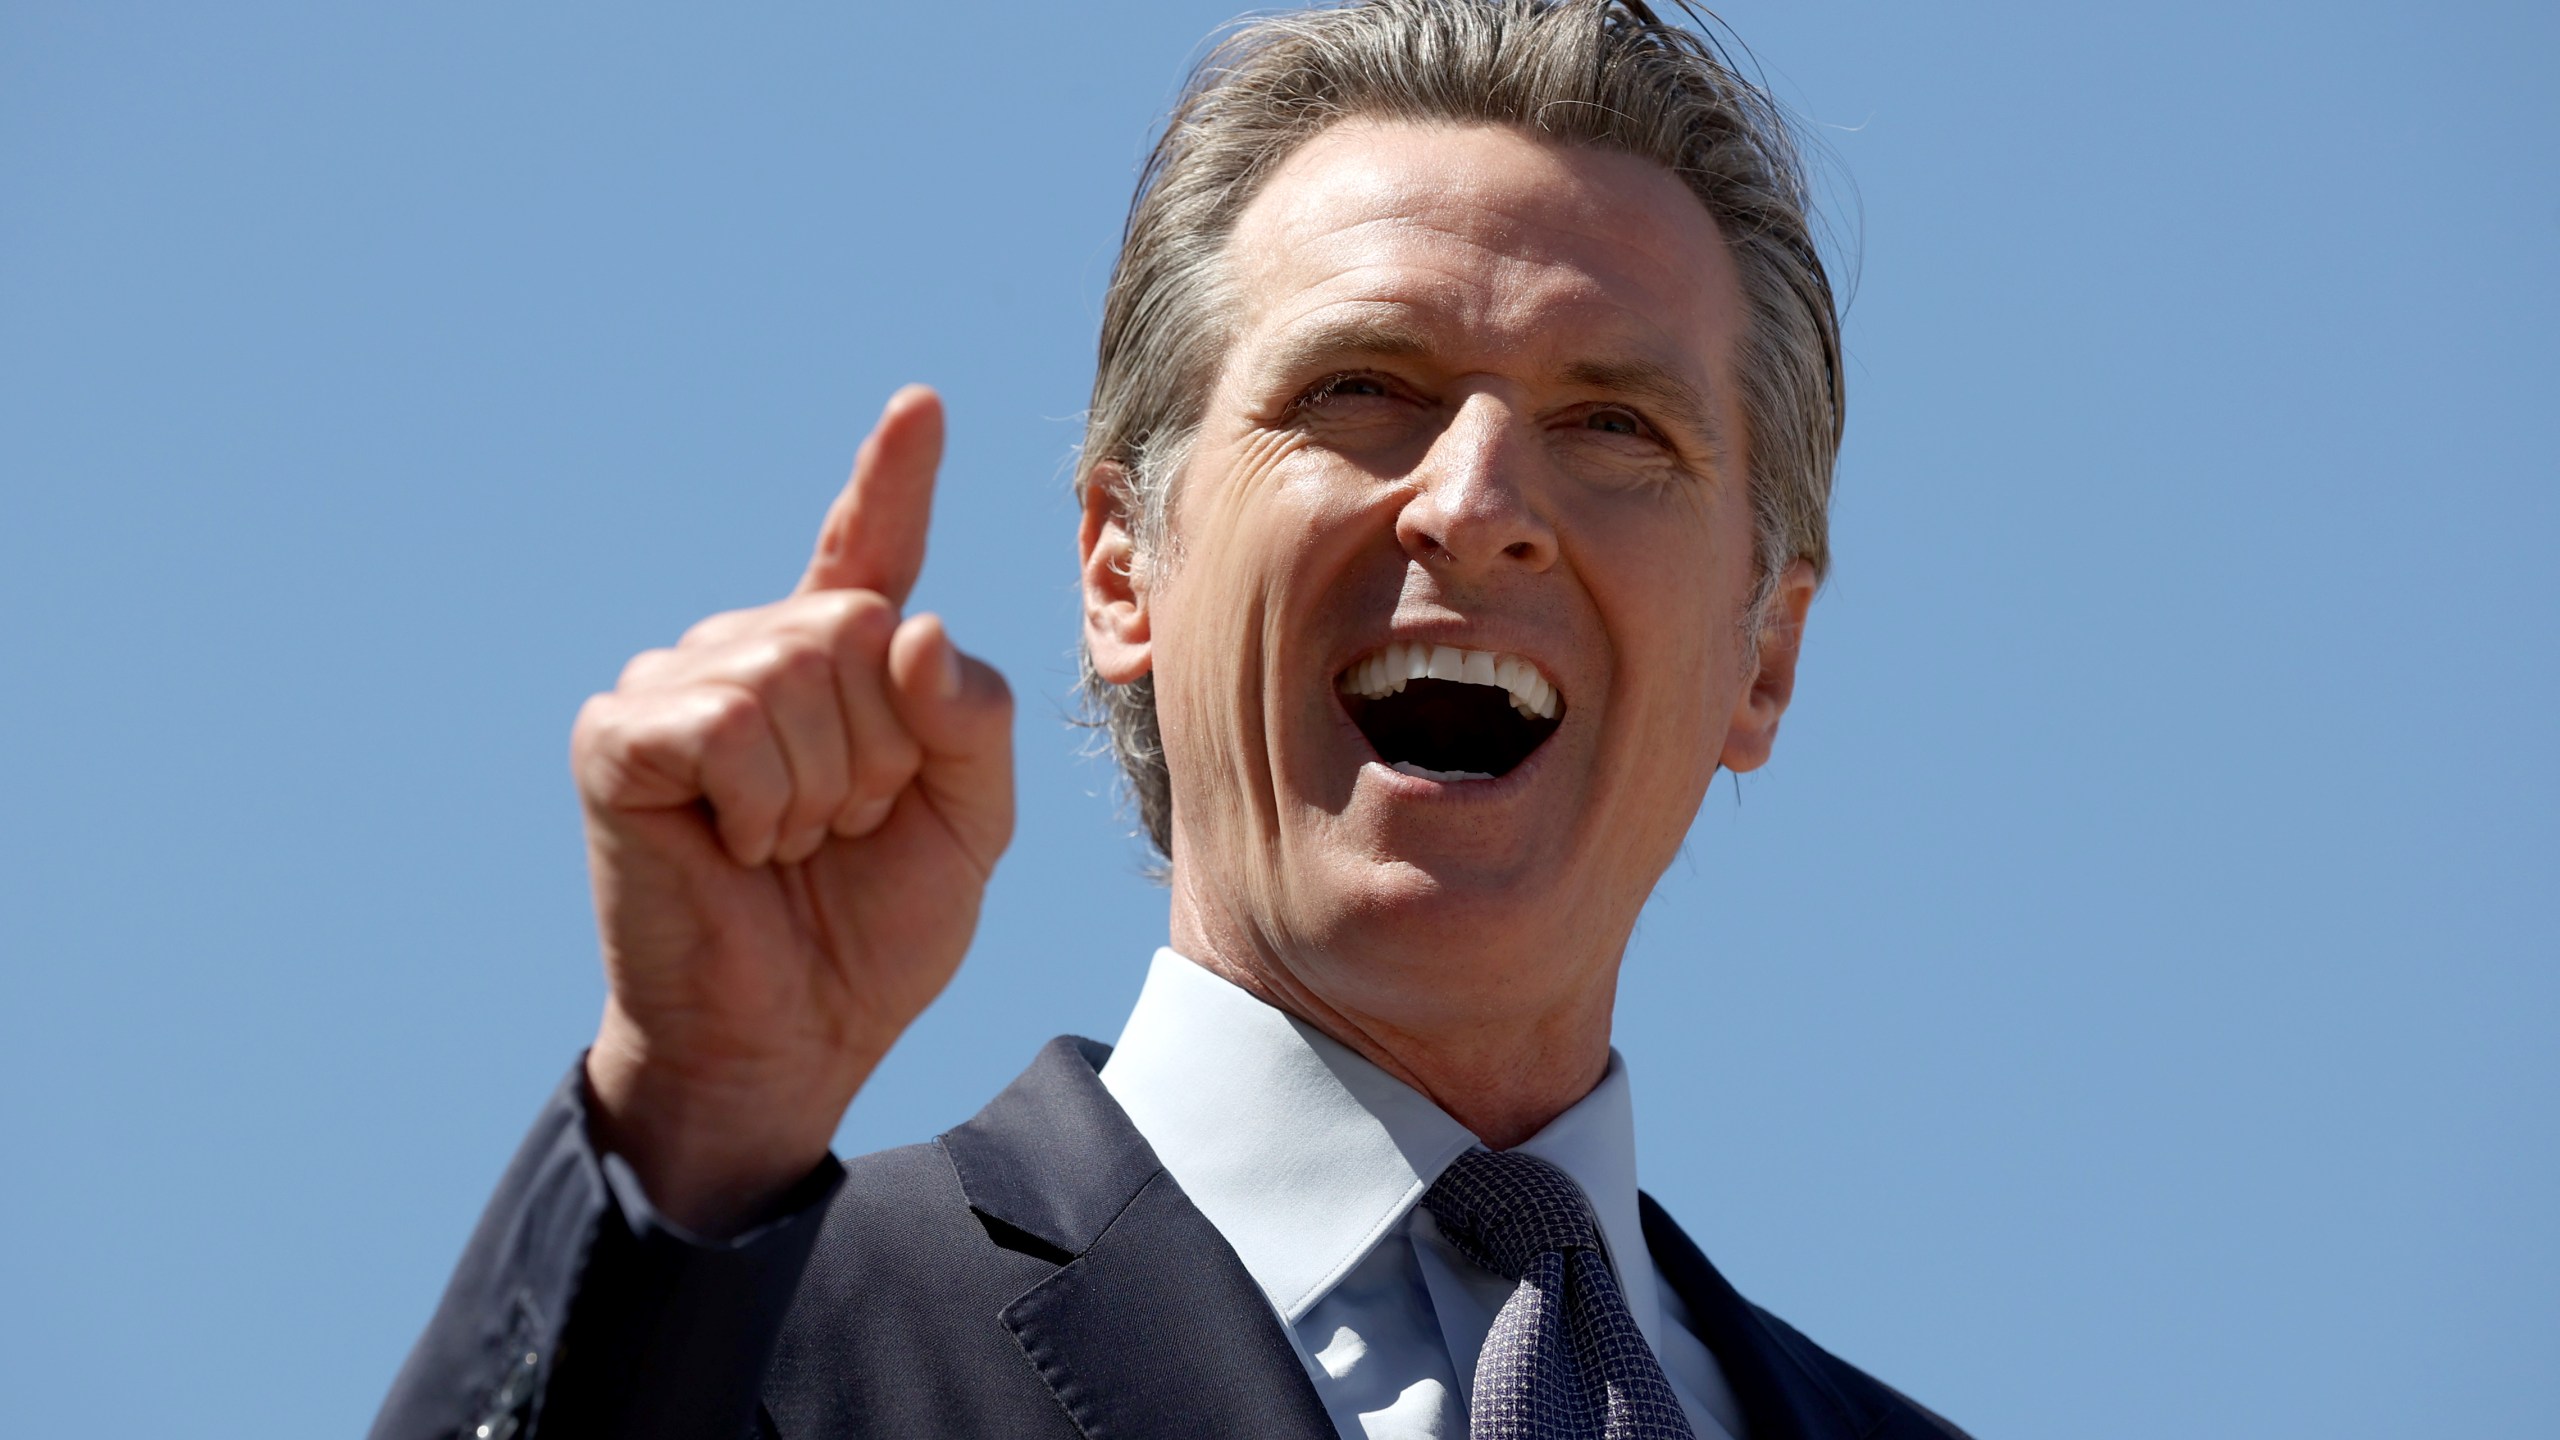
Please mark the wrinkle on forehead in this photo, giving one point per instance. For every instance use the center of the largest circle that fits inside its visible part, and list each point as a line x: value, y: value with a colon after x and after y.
x: 1616, y: 216
x: 1511, y: 239
x: 1518, y: 276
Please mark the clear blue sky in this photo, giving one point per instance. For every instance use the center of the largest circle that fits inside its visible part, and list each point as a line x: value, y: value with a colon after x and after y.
x: 2126, y: 1007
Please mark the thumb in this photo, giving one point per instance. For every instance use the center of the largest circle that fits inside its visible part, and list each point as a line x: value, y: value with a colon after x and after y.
x: 960, y: 712
x: 873, y: 536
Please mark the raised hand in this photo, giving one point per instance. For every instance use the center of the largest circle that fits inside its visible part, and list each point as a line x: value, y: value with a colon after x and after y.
x: 791, y: 817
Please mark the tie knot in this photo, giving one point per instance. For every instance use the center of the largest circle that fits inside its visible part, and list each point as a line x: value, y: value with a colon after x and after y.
x: 1503, y: 1210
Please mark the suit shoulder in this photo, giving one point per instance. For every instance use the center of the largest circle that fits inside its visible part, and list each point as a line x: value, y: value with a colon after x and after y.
x: 906, y: 1175
x: 1776, y: 1371
x: 1900, y: 1414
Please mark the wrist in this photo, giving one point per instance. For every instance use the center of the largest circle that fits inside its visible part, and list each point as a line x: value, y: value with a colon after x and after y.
x: 714, y: 1145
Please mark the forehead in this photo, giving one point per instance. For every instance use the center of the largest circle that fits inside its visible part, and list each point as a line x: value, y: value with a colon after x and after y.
x: 1485, y: 239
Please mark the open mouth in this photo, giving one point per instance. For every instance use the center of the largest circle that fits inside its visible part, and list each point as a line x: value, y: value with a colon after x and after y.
x: 1449, y: 714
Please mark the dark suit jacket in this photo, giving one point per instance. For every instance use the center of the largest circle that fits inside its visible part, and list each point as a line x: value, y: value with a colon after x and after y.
x: 1033, y: 1273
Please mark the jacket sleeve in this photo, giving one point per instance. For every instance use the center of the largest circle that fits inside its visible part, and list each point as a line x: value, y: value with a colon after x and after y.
x: 578, y: 1310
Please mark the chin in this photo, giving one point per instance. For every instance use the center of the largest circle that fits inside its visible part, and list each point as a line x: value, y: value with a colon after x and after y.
x: 1427, y: 876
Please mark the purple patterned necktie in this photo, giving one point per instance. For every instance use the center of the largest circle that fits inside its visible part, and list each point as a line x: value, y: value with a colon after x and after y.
x: 1564, y: 1360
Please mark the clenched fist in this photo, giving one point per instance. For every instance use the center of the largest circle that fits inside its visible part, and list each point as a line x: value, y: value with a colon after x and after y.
x: 791, y: 817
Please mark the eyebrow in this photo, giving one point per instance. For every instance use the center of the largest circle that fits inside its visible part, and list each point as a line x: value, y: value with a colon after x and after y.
x: 1654, y: 385
x: 1376, y: 336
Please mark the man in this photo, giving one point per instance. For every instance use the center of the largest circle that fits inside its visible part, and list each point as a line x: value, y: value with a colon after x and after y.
x: 1453, y: 496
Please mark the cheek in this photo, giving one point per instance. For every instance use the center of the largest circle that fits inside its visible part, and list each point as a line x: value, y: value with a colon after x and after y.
x: 1276, y: 531
x: 1242, y: 534
x: 1234, y: 514
x: 1671, y: 576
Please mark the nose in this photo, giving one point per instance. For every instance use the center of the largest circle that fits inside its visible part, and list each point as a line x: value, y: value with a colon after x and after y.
x: 1473, y: 506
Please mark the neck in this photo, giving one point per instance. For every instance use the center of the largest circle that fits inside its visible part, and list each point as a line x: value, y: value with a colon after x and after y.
x: 1501, y: 1068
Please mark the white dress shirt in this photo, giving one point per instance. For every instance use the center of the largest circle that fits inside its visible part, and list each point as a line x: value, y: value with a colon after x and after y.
x: 1312, y: 1162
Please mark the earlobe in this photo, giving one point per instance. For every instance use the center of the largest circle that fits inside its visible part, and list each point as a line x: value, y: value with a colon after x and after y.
x: 1116, y: 632
x: 1753, y: 731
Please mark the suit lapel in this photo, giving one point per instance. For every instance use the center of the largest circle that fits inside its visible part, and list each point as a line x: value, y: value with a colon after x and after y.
x: 1152, y: 1327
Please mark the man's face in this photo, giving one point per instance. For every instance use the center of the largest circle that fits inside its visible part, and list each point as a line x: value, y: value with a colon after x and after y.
x: 1478, y: 409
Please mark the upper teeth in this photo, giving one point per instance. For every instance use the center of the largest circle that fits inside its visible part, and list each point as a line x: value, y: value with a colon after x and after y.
x: 1386, y: 672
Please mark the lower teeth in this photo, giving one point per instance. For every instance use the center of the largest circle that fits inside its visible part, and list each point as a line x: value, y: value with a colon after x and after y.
x: 1407, y: 767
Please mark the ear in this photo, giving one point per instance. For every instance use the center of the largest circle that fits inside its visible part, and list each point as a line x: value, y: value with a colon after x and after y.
x: 1116, y: 633
x: 1753, y: 731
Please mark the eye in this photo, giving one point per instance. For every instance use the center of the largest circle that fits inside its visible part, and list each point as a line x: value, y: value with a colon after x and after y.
x: 1614, y: 420
x: 1354, y: 385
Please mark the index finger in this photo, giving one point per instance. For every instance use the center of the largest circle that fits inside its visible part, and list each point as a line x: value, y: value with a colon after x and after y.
x: 873, y: 536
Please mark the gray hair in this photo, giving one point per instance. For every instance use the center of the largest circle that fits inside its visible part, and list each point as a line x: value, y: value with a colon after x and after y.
x: 1602, y: 73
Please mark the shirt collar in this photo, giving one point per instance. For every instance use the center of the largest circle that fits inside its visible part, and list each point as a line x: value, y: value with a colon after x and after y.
x: 1305, y: 1155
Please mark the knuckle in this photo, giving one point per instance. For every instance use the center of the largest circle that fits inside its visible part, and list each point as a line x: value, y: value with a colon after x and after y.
x: 637, y: 670
x: 824, y: 605
x: 790, y: 660
x: 711, y: 629
x: 614, y: 757
x: 600, y: 726
x: 771, y: 658
x: 731, y: 716
x: 861, y: 624
x: 870, y: 607
x: 591, y: 733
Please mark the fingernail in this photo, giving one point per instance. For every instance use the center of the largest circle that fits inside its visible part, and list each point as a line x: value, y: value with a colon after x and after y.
x: 950, y: 670
x: 870, y: 817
